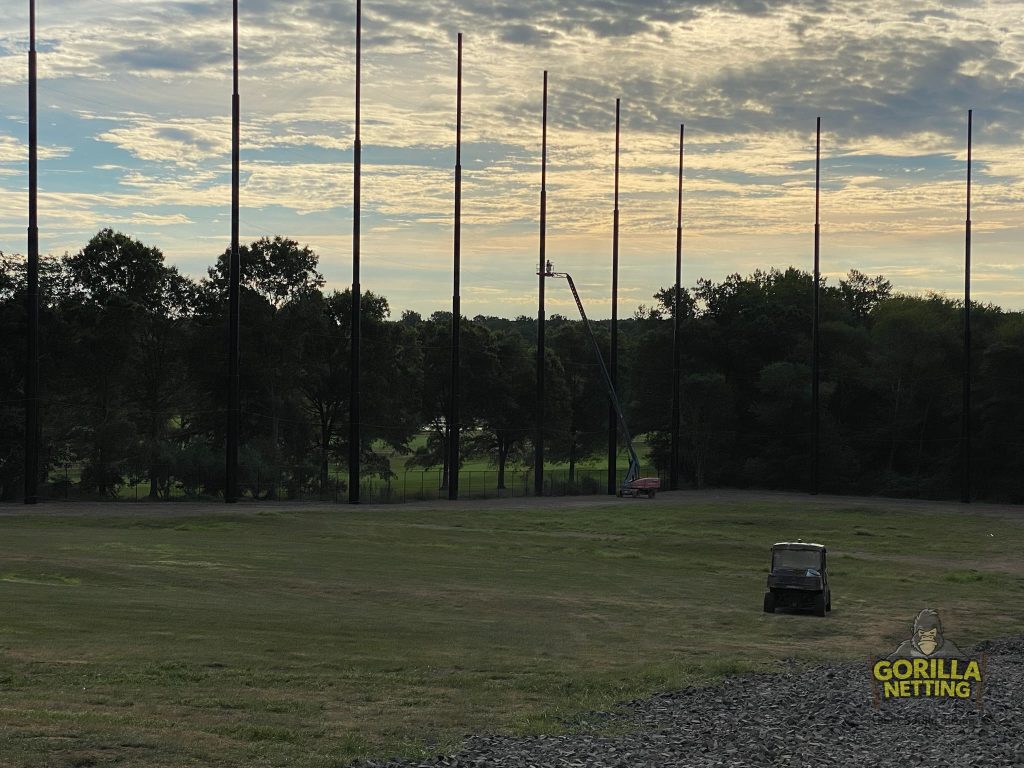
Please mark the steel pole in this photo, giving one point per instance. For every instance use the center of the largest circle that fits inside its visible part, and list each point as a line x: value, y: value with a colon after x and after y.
x: 32, y: 288
x: 815, y: 335
x: 613, y: 426
x: 673, y: 474
x: 965, y: 442
x: 353, y: 404
x: 538, y: 455
x: 234, y: 271
x: 453, y: 423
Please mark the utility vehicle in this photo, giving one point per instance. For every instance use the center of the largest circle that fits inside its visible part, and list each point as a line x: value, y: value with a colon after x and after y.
x: 798, y: 578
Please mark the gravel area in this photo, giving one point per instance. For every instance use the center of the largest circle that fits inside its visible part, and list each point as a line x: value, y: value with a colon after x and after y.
x: 803, y: 716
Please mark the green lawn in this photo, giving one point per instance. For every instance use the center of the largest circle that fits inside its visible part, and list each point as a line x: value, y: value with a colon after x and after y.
x: 478, y: 478
x: 303, y: 636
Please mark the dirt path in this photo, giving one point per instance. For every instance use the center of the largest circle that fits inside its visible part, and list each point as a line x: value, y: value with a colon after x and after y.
x: 703, y: 497
x: 706, y: 497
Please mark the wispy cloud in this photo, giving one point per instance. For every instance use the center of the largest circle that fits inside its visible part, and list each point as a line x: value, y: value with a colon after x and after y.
x: 140, y: 95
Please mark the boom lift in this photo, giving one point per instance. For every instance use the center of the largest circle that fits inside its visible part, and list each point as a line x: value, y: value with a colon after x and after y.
x: 632, y: 483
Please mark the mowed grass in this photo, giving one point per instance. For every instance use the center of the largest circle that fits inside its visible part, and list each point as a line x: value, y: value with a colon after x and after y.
x: 478, y: 479
x: 308, y: 636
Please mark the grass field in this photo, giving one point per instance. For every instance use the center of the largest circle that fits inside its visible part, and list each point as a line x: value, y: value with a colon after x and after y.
x: 478, y: 479
x: 173, y: 635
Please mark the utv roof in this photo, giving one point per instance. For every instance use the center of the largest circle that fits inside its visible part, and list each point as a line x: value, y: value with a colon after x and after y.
x: 797, y: 545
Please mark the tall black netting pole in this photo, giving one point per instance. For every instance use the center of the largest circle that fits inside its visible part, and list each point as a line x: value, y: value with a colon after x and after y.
x: 32, y: 292
x: 538, y: 450
x: 965, y: 437
x: 815, y: 330
x: 354, y: 436
x: 673, y: 475
x: 613, y: 419
x: 234, y: 270
x: 453, y: 423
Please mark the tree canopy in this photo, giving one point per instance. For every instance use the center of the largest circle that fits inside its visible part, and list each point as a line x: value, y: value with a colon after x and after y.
x: 133, y: 372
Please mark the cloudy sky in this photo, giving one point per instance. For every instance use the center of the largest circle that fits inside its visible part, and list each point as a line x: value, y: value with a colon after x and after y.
x: 134, y: 105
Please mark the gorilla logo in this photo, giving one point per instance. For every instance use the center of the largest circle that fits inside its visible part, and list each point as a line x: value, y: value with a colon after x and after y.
x: 927, y: 641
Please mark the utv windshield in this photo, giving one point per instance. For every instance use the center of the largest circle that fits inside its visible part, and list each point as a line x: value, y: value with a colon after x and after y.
x: 796, y: 559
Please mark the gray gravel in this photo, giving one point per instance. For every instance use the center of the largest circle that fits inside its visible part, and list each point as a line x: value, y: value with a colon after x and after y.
x: 803, y: 716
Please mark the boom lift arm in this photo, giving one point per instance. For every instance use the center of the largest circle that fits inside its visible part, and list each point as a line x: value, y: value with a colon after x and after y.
x: 633, y: 473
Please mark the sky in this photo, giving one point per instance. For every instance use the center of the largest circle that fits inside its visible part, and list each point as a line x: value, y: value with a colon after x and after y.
x: 135, y: 129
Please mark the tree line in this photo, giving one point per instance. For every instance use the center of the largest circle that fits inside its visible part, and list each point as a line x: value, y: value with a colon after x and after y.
x: 134, y: 373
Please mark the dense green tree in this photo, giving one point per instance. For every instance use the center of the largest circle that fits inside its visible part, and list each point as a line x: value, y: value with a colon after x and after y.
x: 276, y: 269
x: 860, y: 294
x: 576, y: 391
x: 323, y: 372
x: 998, y: 447
x: 274, y: 429
x: 391, y: 372
x: 134, y: 380
x: 53, y: 285
x: 707, y: 430
x: 159, y: 389
x: 506, y: 415
x: 476, y: 364
x: 12, y: 392
x: 915, y: 365
x: 121, y: 308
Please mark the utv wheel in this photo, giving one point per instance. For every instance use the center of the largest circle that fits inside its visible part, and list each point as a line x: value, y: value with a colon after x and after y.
x: 819, y: 604
x: 828, y: 605
x: 769, y: 602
